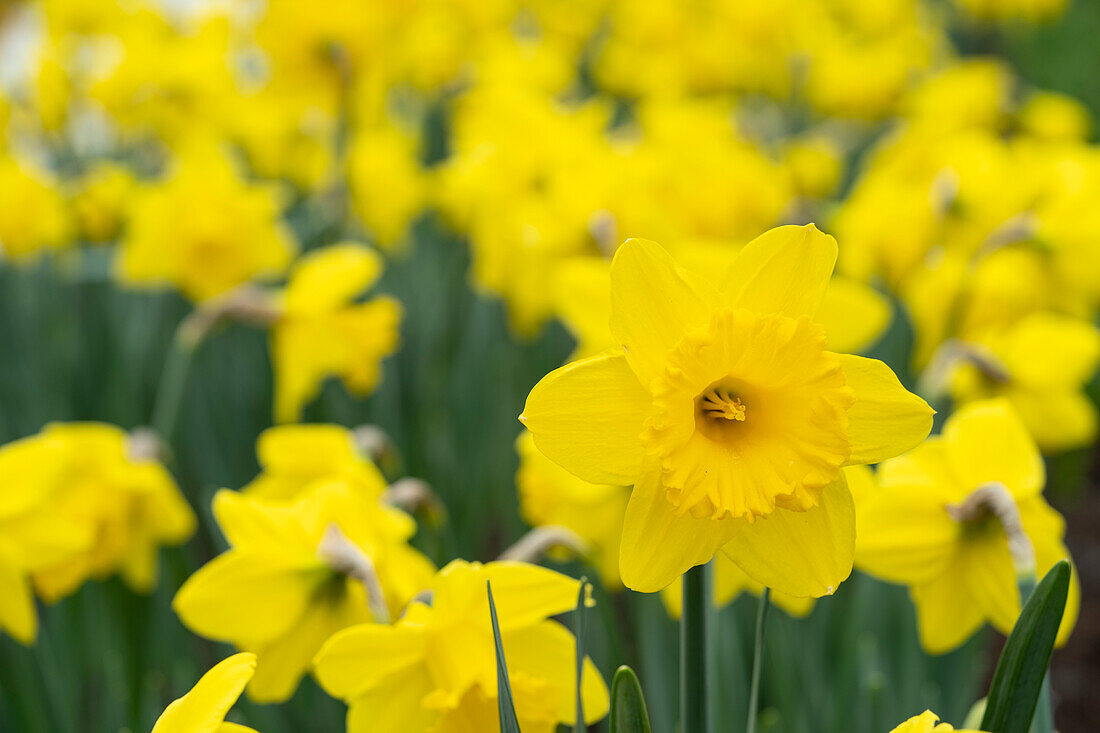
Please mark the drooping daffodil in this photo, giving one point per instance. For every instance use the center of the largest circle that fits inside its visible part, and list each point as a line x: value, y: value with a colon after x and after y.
x: 959, y: 569
x: 724, y: 409
x: 323, y: 332
x: 435, y: 669
x: 297, y: 573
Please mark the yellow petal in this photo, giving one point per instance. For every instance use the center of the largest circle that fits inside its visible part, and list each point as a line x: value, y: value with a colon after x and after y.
x: 986, y: 441
x: 654, y: 302
x: 587, y: 417
x: 886, y: 419
x: 904, y: 534
x: 361, y: 657
x: 658, y: 546
x: 248, y: 524
x: 1051, y: 350
x: 945, y: 616
x: 800, y: 553
x: 308, y: 450
x: 282, y: 663
x: 395, y: 706
x: 17, y: 614
x: 203, y: 709
x: 525, y: 594
x: 784, y: 270
x: 548, y: 651
x: 327, y: 278
x: 854, y: 315
x: 234, y: 728
x: 1058, y: 419
x: 582, y: 299
x: 246, y: 597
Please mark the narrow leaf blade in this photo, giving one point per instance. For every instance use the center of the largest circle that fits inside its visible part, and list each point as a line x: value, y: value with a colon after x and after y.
x: 628, y: 710
x: 578, y: 620
x: 1023, y: 664
x: 505, y: 706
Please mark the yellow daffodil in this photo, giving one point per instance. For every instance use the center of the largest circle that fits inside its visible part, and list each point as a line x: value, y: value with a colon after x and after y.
x: 960, y: 571
x: 323, y: 332
x: 204, y: 707
x: 296, y: 574
x: 95, y: 477
x: 927, y: 722
x: 435, y: 669
x: 1054, y: 116
x: 33, y: 536
x: 1040, y: 365
x: 550, y: 495
x: 33, y: 217
x: 204, y: 229
x: 293, y: 458
x: 727, y: 414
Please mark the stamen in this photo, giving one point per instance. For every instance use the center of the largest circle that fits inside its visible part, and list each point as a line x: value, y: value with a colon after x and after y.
x: 720, y: 404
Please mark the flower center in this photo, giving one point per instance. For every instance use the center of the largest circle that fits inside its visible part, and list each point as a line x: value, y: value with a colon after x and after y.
x: 719, y: 404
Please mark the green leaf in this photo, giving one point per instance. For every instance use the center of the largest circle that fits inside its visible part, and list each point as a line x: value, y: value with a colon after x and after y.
x: 507, y: 710
x: 628, y: 711
x: 578, y: 630
x: 1023, y: 664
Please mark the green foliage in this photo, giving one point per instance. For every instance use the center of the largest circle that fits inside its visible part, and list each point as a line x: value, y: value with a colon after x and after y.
x: 628, y: 710
x: 578, y: 630
x: 508, y: 722
x: 1023, y: 664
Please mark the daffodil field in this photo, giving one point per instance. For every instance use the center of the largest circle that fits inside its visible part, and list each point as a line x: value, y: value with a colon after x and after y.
x: 451, y: 366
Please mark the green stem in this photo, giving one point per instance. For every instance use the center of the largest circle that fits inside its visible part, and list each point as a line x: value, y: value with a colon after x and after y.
x: 758, y: 660
x: 173, y: 379
x: 694, y: 688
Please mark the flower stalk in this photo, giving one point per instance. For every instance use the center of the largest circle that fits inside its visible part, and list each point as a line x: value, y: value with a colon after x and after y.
x: 758, y: 660
x: 694, y: 681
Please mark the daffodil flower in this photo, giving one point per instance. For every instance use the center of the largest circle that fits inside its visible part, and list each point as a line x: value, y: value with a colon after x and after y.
x: 927, y: 722
x: 728, y: 415
x: 322, y: 332
x: 435, y: 669
x: 1041, y: 365
x: 204, y: 707
x: 294, y: 457
x: 290, y: 578
x: 961, y: 573
x: 91, y: 482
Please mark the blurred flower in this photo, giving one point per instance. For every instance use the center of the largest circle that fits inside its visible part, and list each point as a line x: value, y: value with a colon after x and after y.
x: 388, y: 186
x: 926, y: 722
x: 95, y: 478
x: 323, y: 332
x: 204, y: 229
x: 723, y: 407
x: 435, y: 669
x: 1053, y: 116
x: 33, y: 216
x: 32, y: 535
x: 100, y: 200
x: 293, y: 458
x: 203, y: 709
x: 961, y: 573
x: 1041, y: 365
x: 297, y: 573
x: 550, y: 495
